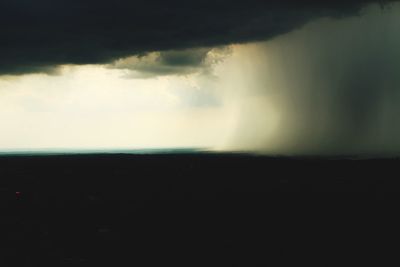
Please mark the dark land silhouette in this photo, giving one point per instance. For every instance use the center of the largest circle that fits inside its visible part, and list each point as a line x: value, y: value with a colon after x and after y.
x: 199, y: 209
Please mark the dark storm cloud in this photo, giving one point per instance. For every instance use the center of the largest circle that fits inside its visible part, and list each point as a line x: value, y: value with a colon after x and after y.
x: 36, y: 35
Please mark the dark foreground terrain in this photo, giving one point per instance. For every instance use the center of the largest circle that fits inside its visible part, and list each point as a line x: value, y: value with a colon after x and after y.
x: 195, y: 210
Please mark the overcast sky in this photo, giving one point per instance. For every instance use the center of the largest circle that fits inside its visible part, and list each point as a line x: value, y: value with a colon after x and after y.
x: 280, y: 77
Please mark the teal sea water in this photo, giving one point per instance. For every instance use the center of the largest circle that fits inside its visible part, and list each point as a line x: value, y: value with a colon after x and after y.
x: 148, y: 151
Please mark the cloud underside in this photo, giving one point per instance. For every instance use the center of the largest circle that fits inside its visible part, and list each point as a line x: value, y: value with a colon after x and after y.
x: 39, y: 35
x: 173, y: 62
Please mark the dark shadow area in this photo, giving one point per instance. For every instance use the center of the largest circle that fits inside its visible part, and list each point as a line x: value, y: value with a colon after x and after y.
x: 191, y: 209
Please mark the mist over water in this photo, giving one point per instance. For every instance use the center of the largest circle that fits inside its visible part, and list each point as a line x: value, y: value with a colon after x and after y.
x: 331, y: 87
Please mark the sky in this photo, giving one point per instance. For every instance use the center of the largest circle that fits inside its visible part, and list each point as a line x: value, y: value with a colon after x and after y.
x: 272, y: 77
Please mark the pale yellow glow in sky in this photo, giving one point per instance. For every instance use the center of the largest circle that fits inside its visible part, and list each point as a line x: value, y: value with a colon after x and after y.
x: 98, y: 107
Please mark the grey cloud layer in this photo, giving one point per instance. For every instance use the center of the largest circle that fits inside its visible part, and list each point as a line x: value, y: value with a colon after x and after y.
x: 36, y: 35
x: 173, y: 62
